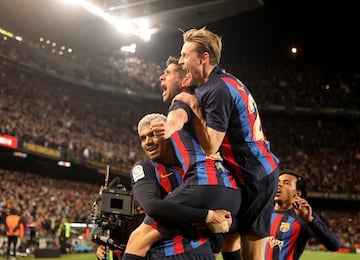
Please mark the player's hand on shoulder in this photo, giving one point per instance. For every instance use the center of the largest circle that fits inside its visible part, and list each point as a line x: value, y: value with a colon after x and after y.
x: 187, y: 98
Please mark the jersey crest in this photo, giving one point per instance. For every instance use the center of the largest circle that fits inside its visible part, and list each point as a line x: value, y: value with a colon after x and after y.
x: 284, y: 227
x: 137, y: 173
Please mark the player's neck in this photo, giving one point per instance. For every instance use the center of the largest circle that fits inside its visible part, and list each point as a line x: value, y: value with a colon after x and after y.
x: 282, y: 205
x: 207, y: 72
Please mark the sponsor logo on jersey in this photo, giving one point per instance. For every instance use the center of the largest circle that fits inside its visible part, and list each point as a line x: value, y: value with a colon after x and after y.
x: 165, y: 175
x: 275, y: 242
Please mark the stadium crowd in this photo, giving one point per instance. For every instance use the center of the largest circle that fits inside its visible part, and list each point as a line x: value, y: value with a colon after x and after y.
x: 55, y: 102
x: 306, y: 85
x: 43, y: 202
x: 88, y: 124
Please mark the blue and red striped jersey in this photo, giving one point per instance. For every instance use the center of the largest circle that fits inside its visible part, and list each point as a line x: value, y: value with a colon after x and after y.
x: 289, y: 235
x: 229, y: 107
x: 168, y: 179
x: 199, y: 169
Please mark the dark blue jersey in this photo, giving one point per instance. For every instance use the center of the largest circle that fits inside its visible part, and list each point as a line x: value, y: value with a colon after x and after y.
x: 229, y: 107
x: 289, y: 235
x: 168, y: 178
x: 151, y: 182
x: 199, y: 169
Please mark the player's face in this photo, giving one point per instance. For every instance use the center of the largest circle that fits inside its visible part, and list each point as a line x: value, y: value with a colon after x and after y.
x: 152, y: 146
x: 286, y: 188
x: 170, y: 83
x: 191, y: 60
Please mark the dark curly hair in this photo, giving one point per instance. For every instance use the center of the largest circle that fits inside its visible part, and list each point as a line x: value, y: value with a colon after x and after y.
x: 300, y: 182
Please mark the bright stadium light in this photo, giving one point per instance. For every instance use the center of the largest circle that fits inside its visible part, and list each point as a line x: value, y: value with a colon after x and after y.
x: 64, y: 164
x: 137, y: 28
x: 145, y: 31
x: 129, y: 48
x: 18, y: 38
x: 20, y: 154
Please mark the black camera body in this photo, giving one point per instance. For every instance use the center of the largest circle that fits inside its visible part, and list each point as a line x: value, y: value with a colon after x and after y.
x: 117, y: 201
x: 112, y: 210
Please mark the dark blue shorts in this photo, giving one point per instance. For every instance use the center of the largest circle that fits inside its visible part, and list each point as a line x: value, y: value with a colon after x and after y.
x: 257, y: 205
x: 203, y: 252
x: 200, y: 196
x: 207, y: 197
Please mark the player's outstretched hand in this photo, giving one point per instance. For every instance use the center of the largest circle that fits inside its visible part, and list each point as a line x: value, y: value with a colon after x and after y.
x: 303, y: 209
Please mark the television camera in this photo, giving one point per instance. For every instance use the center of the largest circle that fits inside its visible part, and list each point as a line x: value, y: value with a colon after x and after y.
x: 112, y: 210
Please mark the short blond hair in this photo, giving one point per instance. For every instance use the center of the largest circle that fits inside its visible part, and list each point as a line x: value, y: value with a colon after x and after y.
x: 206, y: 42
x: 146, y: 120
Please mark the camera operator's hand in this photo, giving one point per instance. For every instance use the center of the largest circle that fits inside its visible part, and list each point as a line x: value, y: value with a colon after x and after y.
x: 100, y: 252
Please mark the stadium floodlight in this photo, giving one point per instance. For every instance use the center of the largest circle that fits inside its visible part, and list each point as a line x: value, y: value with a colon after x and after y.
x: 64, y: 164
x: 140, y: 29
x: 20, y: 154
x: 10, y: 35
x: 18, y: 38
x: 129, y: 48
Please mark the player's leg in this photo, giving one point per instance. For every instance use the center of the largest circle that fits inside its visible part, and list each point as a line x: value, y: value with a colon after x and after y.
x: 231, y: 247
x: 253, y: 248
x: 141, y: 240
x: 255, y: 216
x: 214, y: 197
x: 207, y: 197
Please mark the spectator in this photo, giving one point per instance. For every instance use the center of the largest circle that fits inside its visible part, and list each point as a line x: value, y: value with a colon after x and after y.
x: 14, y: 230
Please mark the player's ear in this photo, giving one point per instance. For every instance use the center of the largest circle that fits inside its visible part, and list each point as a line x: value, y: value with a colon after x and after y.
x: 204, y: 57
x: 187, y: 79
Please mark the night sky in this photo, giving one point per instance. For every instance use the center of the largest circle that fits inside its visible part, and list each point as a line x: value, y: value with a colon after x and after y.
x: 324, y: 32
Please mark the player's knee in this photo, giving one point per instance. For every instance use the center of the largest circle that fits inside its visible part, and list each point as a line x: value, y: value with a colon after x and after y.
x: 141, y: 240
x: 253, y: 247
x: 232, y: 242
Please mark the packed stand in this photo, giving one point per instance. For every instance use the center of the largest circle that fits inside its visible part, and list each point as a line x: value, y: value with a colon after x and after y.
x: 43, y: 202
x: 88, y: 124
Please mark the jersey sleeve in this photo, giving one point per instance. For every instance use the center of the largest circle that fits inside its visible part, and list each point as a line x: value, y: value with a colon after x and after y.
x: 149, y: 198
x: 217, y: 104
x: 142, y: 172
x: 181, y: 105
x: 147, y: 192
x: 323, y: 234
